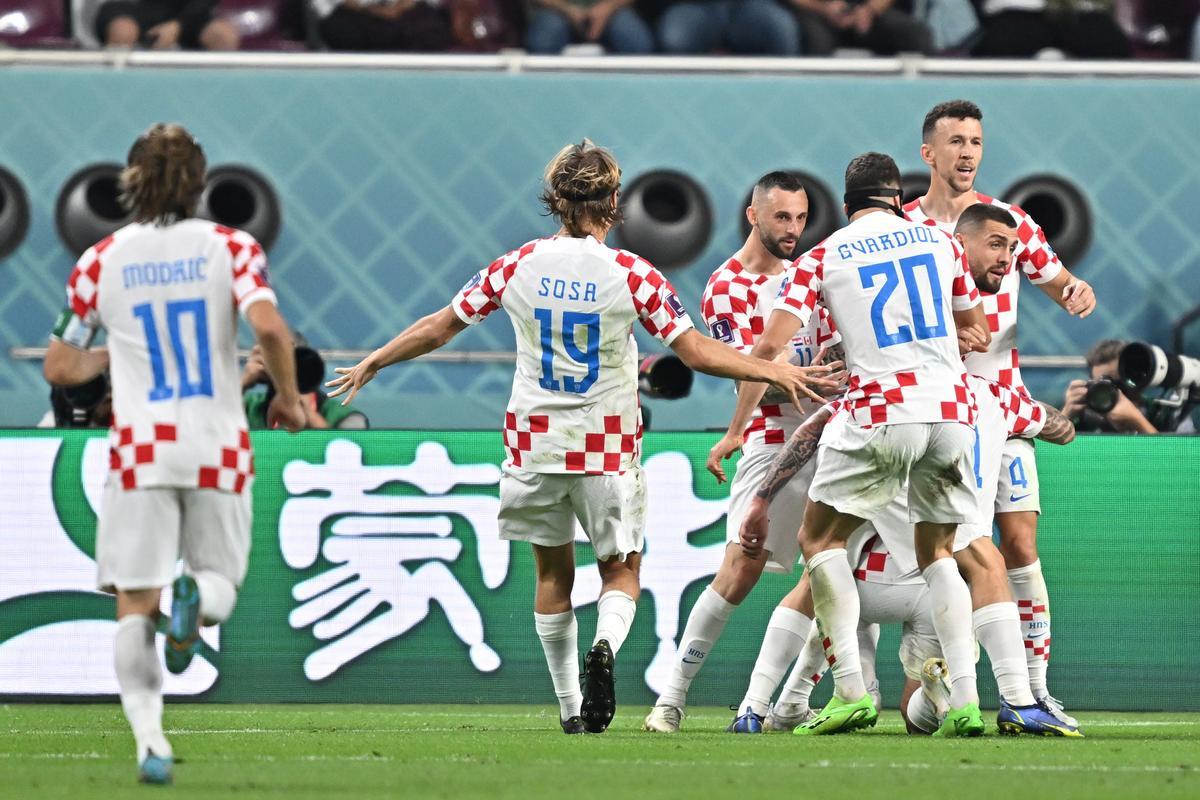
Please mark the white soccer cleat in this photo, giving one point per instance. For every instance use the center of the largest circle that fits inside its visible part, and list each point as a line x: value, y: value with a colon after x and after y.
x: 786, y: 717
x: 935, y: 686
x: 663, y: 719
x: 1056, y: 710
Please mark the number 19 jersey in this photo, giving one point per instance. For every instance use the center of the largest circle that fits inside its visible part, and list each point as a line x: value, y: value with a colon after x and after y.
x: 168, y: 297
x: 891, y: 286
x: 572, y: 302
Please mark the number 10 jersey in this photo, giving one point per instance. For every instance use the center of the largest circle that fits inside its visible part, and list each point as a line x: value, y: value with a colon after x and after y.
x: 167, y: 297
x: 572, y: 302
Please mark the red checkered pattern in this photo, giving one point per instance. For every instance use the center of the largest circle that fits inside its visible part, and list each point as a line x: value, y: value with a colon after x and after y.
x: 519, y: 441
x: 873, y: 560
x: 867, y: 403
x: 1040, y: 647
x: 235, y: 468
x: 1028, y: 611
x: 766, y: 421
x: 800, y: 292
x: 83, y: 287
x: 610, y: 452
x: 249, y: 264
x: 484, y: 292
x: 652, y: 295
x: 732, y: 297
x: 964, y: 292
x: 1023, y: 415
x: 962, y: 408
x: 827, y: 645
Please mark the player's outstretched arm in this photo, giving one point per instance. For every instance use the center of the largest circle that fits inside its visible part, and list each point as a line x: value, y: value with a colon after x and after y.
x: 423, y: 336
x: 279, y: 358
x: 973, y: 331
x: 1073, y: 294
x: 69, y: 366
x: 1057, y: 429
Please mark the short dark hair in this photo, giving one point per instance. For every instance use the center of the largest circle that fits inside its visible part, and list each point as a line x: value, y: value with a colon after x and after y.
x: 951, y: 109
x: 1104, y: 351
x: 871, y: 171
x: 780, y: 179
x: 976, y: 215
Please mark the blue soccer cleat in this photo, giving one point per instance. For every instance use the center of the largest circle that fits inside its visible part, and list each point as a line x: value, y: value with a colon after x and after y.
x: 155, y: 769
x: 183, y: 630
x: 1036, y: 719
x: 749, y: 722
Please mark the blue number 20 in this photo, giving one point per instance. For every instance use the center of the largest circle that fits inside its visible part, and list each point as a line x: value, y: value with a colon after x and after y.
x: 588, y: 356
x: 201, y: 385
x: 908, y: 269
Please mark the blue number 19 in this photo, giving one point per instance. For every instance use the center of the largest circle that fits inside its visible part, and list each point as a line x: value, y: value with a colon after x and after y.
x: 589, y: 355
x: 908, y: 268
x: 201, y: 385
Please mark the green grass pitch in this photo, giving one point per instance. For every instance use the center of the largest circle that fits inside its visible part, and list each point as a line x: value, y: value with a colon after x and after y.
x: 363, y: 752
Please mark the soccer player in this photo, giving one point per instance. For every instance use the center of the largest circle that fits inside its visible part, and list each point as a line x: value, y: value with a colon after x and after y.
x: 900, y: 293
x: 952, y: 146
x: 736, y: 304
x: 573, y: 427
x: 165, y: 289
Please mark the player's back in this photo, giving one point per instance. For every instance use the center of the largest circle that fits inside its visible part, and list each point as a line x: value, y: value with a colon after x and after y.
x: 892, y: 286
x: 167, y: 296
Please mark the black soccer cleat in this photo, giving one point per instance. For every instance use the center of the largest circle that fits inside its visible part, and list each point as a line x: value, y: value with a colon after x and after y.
x: 572, y: 725
x: 599, y: 695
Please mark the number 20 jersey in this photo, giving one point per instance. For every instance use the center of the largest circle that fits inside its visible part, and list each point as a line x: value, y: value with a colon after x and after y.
x: 168, y: 297
x: 891, y: 286
x: 573, y: 302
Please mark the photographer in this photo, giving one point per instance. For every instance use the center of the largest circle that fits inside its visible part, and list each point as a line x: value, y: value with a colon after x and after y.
x: 85, y: 405
x: 310, y: 374
x: 1105, y: 403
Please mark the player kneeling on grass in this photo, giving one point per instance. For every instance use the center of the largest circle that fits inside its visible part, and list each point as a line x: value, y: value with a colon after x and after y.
x: 573, y: 426
x: 165, y: 289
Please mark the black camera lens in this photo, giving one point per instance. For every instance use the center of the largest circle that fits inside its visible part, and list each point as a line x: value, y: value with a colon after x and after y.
x: 1102, y: 395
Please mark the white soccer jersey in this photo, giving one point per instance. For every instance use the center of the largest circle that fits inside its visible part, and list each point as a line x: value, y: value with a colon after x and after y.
x: 167, y: 296
x: 735, y: 306
x: 1036, y: 260
x: 572, y: 303
x: 891, y: 286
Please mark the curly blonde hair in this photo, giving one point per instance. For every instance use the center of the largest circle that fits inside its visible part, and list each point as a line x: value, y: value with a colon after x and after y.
x: 164, y: 176
x: 580, y: 183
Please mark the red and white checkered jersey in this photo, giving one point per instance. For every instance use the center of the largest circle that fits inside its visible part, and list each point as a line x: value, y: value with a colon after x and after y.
x: 736, y: 305
x: 891, y: 286
x: 572, y: 303
x: 167, y: 296
x: 1035, y: 259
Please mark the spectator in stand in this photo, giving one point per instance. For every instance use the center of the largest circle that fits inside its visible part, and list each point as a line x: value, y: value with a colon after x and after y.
x: 746, y: 27
x: 1078, y: 28
x: 383, y: 25
x: 875, y: 25
x: 554, y: 24
x: 164, y: 25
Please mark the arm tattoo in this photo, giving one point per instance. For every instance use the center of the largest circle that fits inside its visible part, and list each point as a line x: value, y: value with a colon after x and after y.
x: 795, y: 454
x: 1058, y: 429
x: 775, y: 396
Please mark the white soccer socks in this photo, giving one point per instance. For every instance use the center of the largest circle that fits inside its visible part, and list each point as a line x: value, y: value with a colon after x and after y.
x: 835, y: 601
x: 704, y: 627
x: 952, y: 621
x: 217, y: 597
x: 810, y: 666
x: 560, y: 643
x: 140, y: 677
x: 1033, y: 605
x: 785, y: 635
x: 614, y: 617
x: 998, y: 630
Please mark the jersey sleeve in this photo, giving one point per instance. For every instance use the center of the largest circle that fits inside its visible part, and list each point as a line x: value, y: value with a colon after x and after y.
x: 249, y: 263
x: 83, y: 287
x: 1034, y: 255
x: 727, y: 312
x: 654, y: 300
x: 800, y: 291
x: 827, y: 332
x: 964, y: 293
x: 483, y: 294
x: 1022, y: 414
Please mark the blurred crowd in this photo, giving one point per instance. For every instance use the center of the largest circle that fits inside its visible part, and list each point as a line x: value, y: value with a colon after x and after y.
x: 1085, y: 29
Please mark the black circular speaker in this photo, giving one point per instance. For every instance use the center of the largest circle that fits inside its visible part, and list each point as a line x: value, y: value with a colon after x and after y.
x: 89, y: 207
x: 667, y: 218
x: 913, y: 185
x: 1060, y: 208
x: 14, y: 213
x: 824, y: 213
x: 242, y: 198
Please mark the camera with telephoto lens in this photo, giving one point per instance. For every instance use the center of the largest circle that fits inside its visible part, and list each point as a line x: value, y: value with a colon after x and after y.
x: 1143, y: 366
x: 1102, y: 395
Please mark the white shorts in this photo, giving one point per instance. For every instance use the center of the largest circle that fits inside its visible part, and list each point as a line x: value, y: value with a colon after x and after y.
x: 787, y: 507
x: 142, y: 534
x: 910, y: 605
x: 1018, y: 487
x: 861, y: 470
x: 541, y: 508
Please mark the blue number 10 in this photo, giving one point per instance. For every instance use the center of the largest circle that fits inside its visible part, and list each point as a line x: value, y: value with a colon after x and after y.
x: 201, y: 385
x: 908, y: 269
x: 589, y: 355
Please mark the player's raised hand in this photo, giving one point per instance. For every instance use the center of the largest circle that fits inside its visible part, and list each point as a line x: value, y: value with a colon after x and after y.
x: 753, y: 535
x: 810, y: 382
x: 723, y: 449
x: 972, y: 339
x: 1079, y: 299
x: 288, y: 414
x: 352, y: 379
